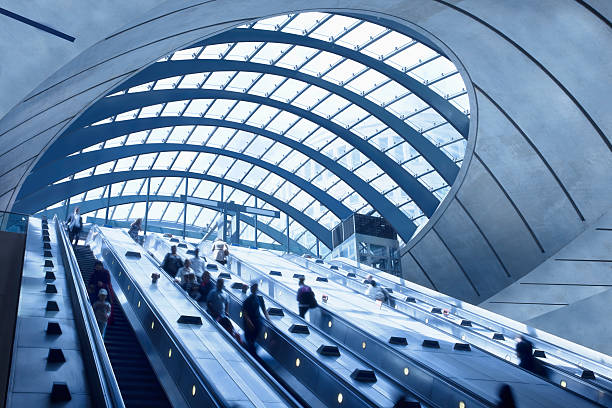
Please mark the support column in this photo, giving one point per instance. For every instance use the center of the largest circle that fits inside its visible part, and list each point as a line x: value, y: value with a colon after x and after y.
x: 67, y: 208
x: 107, y: 204
x: 256, y: 226
x: 224, y: 216
x: 287, y: 232
x: 318, y: 250
x: 146, y: 218
x: 185, y: 208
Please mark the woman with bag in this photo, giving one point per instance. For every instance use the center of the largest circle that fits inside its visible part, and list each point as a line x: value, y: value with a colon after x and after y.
x: 220, y: 251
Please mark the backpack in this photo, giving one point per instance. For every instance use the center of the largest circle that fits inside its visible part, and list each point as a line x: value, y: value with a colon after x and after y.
x: 311, y: 299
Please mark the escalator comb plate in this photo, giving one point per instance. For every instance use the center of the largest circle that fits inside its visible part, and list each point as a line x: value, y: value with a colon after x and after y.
x: 331, y: 351
x: 276, y: 273
x: 462, y: 347
x: 186, y: 319
x: 400, y: 341
x: 275, y: 311
x: 321, y: 279
x: 363, y: 375
x: 431, y: 344
x: 225, y: 275
x: 299, y: 328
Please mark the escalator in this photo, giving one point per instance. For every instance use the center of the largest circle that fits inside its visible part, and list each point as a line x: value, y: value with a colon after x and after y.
x: 137, y: 381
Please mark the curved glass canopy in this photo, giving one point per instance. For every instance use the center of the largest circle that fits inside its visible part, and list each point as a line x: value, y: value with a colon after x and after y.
x: 316, y: 115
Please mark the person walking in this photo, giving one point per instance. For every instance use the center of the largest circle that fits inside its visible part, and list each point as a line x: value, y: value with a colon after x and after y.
x: 197, y: 263
x: 305, y: 297
x: 220, y: 251
x: 217, y: 302
x: 252, y: 317
x: 102, y: 311
x: 172, y: 262
x: 524, y: 351
x: 98, y: 280
x: 135, y: 229
x: 75, y: 225
x: 186, y: 276
x: 205, y: 286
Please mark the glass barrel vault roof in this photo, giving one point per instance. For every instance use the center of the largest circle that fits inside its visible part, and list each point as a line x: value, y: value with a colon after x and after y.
x: 268, y: 105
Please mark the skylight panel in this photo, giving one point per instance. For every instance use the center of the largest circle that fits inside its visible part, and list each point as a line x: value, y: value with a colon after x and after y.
x: 240, y: 141
x: 169, y: 186
x: 238, y: 171
x: 156, y: 183
x: 354, y: 201
x: 426, y: 119
x: 418, y: 166
x: 304, y: 22
x: 433, y: 180
x: 103, y: 121
x: 366, y: 81
x: 321, y: 63
x: 266, y: 85
x: 259, y: 148
x: 331, y: 106
x: 329, y: 221
x: 270, y: 52
x: 197, y: 107
x: 156, y: 210
x: 289, y: 90
x: 255, y: 176
x: 172, y: 212
x: 411, y: 56
x: 164, y: 160
x: 350, y: 116
x: 325, y: 180
x: 310, y: 97
x: 309, y: 170
x: 287, y: 191
x: 296, y: 57
x: 137, y: 88
x: 220, y: 166
x: 397, y: 196
x: 333, y: 27
x: 340, y: 190
x: 283, y: 121
x: 433, y: 70
x: 449, y: 86
x: 271, y: 184
x: 192, y: 81
x: 220, y: 108
x: 159, y: 135
x: 94, y: 194
x: 127, y: 115
x: 174, y: 108
x: 387, y: 93
x: 361, y: 34
x: 406, y: 106
x: 368, y: 127
x: 84, y: 173
x: 402, y: 152
x: 242, y: 81
x: 389, y: 43
x: 114, y: 142
x: 277, y: 153
x: 179, y: 134
x: 167, y: 83
x: 301, y: 129
x: 104, y: 168
x: 186, y: 54
x: 121, y: 211
x: 192, y: 212
x: 442, y: 192
x: 125, y: 164
x: 335, y: 149
x: 240, y: 197
x: 300, y: 202
x: 455, y: 150
x: 243, y: 51
x: 293, y: 160
x: 320, y: 138
x: 218, y: 79
x: 200, y: 134
x: 204, y: 189
x: 183, y: 161
x: 411, y: 210
x: 262, y: 116
x: 90, y: 149
x: 220, y: 137
x: 137, y: 138
x: 462, y: 102
x: 443, y: 135
x: 133, y: 187
x: 345, y: 71
x: 368, y: 171
x: 353, y: 159
x: 242, y: 110
x: 272, y: 23
x: 116, y: 189
x: 215, y: 51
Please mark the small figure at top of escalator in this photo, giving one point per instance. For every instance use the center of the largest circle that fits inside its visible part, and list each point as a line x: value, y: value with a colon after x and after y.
x: 172, y: 262
x: 220, y: 251
x: 75, y: 225
x: 524, y: 351
x: 135, y: 229
x: 305, y: 297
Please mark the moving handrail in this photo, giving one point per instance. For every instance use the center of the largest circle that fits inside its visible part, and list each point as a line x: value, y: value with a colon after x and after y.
x: 100, y: 373
x: 214, y: 396
x: 498, y: 349
x: 270, y: 330
x: 585, y: 359
x: 454, y: 390
x: 215, y: 393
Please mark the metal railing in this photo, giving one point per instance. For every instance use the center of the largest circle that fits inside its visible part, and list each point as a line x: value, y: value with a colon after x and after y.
x: 104, y: 388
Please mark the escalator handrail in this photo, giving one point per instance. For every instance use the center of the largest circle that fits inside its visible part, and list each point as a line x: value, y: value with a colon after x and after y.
x: 600, y: 363
x: 273, y: 382
x: 434, y: 373
x: 215, y: 395
x: 100, y: 372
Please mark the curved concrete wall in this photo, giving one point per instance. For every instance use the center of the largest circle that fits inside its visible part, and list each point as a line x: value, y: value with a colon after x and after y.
x: 541, y: 128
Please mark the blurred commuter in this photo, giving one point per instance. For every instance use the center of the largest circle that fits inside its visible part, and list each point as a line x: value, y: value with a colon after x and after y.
x: 217, y: 302
x: 205, y: 286
x: 102, y: 311
x: 506, y: 398
x: 98, y: 280
x: 524, y: 351
x: 252, y: 318
x: 305, y: 297
x: 380, y: 294
x: 187, y: 278
x: 135, y: 229
x: 368, y: 280
x: 220, y: 251
x: 75, y: 225
x: 197, y: 263
x: 172, y: 262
